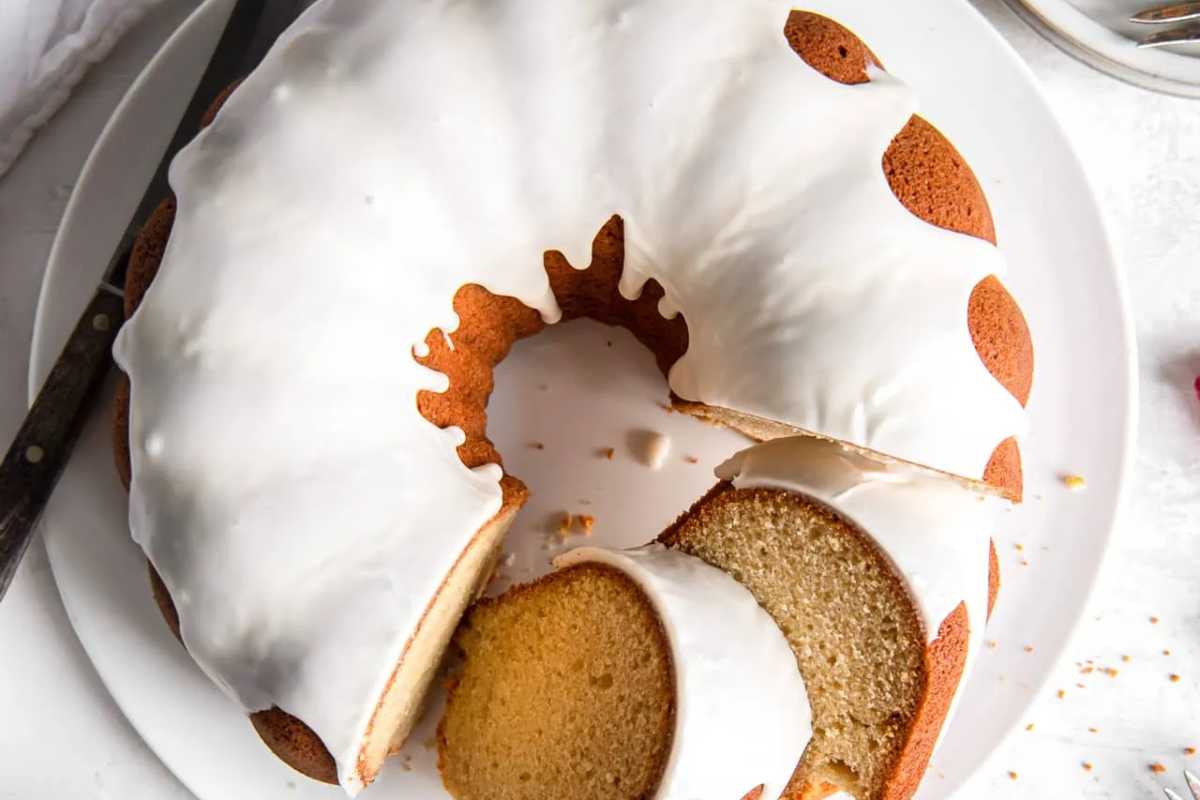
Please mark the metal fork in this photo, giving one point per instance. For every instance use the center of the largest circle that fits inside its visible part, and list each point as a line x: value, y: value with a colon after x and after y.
x: 1188, y: 12
x: 1193, y: 786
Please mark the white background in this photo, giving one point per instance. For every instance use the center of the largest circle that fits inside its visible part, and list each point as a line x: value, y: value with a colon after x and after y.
x: 63, y: 737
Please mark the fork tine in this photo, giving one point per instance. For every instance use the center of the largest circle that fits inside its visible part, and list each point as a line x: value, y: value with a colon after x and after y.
x: 1176, y: 12
x: 1193, y: 783
x: 1185, y: 34
x: 1172, y: 795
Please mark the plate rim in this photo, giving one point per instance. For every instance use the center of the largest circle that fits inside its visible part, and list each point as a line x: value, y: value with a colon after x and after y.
x: 1124, y: 450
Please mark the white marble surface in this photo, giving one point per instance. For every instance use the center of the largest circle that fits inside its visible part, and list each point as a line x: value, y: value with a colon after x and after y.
x: 64, y: 737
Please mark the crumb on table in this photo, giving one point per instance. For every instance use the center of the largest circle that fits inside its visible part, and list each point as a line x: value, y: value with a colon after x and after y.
x: 1074, y: 482
x: 586, y: 522
x: 606, y: 452
x: 1157, y: 768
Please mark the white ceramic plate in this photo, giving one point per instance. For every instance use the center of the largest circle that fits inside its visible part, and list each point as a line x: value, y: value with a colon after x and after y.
x: 574, y: 392
x: 1099, y: 33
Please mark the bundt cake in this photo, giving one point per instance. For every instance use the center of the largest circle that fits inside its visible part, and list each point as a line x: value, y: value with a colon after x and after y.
x: 625, y: 674
x: 360, y: 235
x: 876, y: 572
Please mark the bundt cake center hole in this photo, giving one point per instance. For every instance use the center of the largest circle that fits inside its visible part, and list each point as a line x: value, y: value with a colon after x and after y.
x: 570, y: 411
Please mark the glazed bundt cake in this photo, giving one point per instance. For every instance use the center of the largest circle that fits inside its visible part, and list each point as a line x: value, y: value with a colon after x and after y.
x: 357, y: 240
x: 876, y: 572
x: 625, y: 674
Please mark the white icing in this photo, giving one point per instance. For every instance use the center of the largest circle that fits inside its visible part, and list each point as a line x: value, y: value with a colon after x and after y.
x: 658, y: 447
x: 935, y: 529
x: 742, y: 716
x: 295, y: 503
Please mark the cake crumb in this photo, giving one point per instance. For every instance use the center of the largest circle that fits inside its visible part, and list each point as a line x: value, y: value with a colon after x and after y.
x: 1154, y: 620
x: 1080, y: 686
x: 1126, y: 659
x: 564, y: 525
x: 991, y: 644
x: 606, y: 452
x: 1012, y: 776
x: 1166, y: 652
x: 1086, y: 766
x: 1074, y: 482
x: 509, y: 559
x: 1029, y: 727
x: 1028, y: 648
x: 1110, y: 672
x: 1024, y: 563
x: 1093, y: 730
x: 537, y: 446
x: 1061, y: 694
x: 586, y: 522
x: 1087, y: 670
x: 1174, y: 678
x: 691, y: 459
x: 1157, y: 768
x: 1189, y: 751
x: 656, y: 448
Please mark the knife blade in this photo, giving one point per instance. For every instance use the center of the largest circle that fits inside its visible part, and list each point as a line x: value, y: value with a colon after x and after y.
x: 39, y: 453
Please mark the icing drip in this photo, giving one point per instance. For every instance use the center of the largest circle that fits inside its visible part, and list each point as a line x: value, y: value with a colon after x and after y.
x: 296, y: 504
x: 935, y: 529
x: 741, y: 713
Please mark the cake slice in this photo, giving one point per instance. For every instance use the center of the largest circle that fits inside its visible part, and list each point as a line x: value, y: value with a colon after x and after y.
x: 625, y: 674
x: 876, y: 571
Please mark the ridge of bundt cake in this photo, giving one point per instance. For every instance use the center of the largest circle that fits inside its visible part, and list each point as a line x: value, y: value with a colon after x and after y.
x: 924, y: 171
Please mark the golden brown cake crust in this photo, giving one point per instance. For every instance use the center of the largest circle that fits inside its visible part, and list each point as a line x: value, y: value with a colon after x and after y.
x: 924, y: 171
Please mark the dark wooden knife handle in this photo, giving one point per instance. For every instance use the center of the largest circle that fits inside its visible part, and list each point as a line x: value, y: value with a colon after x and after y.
x: 36, y: 459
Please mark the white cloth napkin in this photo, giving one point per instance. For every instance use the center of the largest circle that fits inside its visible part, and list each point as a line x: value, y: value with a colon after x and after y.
x: 46, y: 46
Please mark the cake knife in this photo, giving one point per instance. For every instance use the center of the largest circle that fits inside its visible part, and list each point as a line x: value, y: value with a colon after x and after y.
x: 43, y: 444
